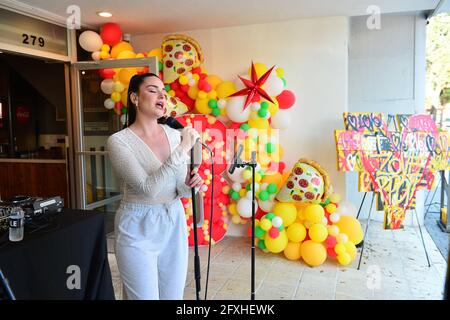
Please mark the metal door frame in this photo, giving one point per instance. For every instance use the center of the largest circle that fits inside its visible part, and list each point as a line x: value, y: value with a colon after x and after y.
x: 77, y: 163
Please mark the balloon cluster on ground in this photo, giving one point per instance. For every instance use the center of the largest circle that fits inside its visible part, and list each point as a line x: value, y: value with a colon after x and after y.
x: 295, y: 215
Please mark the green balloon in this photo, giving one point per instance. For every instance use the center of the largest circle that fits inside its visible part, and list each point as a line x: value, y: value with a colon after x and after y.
x: 167, y: 87
x: 264, y: 105
x: 160, y: 66
x: 215, y: 112
x: 212, y: 103
x: 262, y: 112
x: 270, y: 147
x: 259, y: 233
x: 284, y: 81
x: 261, y: 244
x: 270, y: 216
x: 248, y: 187
x: 234, y: 195
x: 272, y: 188
x: 263, y: 195
x: 245, y: 126
x: 124, y: 110
x: 281, y: 228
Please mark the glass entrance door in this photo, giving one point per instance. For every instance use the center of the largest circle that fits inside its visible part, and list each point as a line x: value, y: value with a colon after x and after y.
x: 95, y: 183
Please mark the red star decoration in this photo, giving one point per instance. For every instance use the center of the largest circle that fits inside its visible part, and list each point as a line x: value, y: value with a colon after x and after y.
x: 253, y: 87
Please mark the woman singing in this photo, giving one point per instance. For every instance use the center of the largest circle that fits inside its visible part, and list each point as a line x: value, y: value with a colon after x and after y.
x: 150, y: 159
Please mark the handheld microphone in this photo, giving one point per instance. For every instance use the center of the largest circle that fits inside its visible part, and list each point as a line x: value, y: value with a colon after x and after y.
x: 236, y: 159
x: 196, y: 161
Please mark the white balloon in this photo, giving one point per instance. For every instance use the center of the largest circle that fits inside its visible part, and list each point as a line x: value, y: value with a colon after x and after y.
x: 191, y: 82
x: 244, y: 207
x: 346, y: 208
x: 235, y: 109
x: 95, y: 55
x: 334, y: 217
x: 123, y: 119
x: 266, y: 206
x: 90, y: 41
x: 274, y: 85
x: 249, y: 194
x: 109, y: 104
x: 264, y: 185
x: 277, y: 222
x: 221, y: 103
x: 107, y: 86
x: 281, y: 120
x: 236, y: 176
x: 236, y: 186
x: 255, y: 106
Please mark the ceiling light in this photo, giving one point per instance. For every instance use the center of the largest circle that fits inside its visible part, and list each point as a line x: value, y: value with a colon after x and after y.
x: 104, y: 14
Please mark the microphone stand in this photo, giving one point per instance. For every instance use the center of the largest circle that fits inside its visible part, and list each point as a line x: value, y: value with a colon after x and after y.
x: 6, y: 288
x: 239, y: 163
x: 197, y: 275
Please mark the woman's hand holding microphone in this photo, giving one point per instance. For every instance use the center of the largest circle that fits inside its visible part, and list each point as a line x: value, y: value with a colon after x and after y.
x: 189, y: 137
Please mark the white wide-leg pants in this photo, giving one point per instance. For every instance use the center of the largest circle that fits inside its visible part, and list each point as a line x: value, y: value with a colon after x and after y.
x: 151, y: 245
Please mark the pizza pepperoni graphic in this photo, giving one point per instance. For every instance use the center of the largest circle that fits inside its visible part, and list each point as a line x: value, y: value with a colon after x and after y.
x: 180, y: 55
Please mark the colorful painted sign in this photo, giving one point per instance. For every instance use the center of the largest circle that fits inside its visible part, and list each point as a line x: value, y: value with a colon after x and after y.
x: 395, y: 156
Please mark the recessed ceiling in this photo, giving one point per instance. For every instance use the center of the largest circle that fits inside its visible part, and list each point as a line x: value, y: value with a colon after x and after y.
x: 156, y: 16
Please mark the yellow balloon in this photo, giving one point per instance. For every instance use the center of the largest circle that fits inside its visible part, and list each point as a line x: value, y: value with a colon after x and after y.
x: 105, y: 47
x: 183, y: 80
x: 286, y: 211
x: 118, y: 48
x: 351, y: 249
x: 259, y: 123
x: 333, y: 230
x: 125, y: 74
x: 118, y: 86
x: 232, y: 208
x: 126, y: 54
x: 331, y: 208
x: 155, y: 53
x: 296, y: 232
x: 314, y: 213
x: 292, y: 251
x: 340, y: 249
x: 193, y: 92
x: 212, y: 94
x: 352, y: 228
x: 280, y: 72
x: 225, y: 88
x: 344, y: 258
x: 104, y: 55
x: 242, y: 193
x: 115, y: 96
x: 313, y: 253
x: 265, y: 224
x: 140, y: 55
x: 213, y: 80
x: 260, y: 68
x: 124, y: 97
x: 278, y: 244
x: 201, y: 105
x: 318, y: 232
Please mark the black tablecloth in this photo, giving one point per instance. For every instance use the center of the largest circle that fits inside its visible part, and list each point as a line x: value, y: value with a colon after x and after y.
x: 37, y: 266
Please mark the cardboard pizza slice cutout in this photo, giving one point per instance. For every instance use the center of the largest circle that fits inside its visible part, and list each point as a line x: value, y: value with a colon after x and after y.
x: 180, y: 54
x: 308, y: 182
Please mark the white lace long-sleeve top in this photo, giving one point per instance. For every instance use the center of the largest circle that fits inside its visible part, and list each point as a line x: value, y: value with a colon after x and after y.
x: 144, y: 179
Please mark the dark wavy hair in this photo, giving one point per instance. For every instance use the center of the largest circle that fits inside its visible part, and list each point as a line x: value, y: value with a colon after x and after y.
x: 135, y: 84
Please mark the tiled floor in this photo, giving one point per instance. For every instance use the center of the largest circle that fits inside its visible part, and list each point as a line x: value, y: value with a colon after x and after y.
x: 394, y: 266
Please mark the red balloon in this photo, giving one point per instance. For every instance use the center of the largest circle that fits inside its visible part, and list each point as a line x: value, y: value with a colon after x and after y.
x: 196, y: 70
x: 107, y: 73
x: 118, y: 105
x: 274, y: 232
x: 111, y: 33
x: 331, y: 252
x: 281, y: 166
x: 185, y: 88
x: 286, y: 99
x: 330, y: 242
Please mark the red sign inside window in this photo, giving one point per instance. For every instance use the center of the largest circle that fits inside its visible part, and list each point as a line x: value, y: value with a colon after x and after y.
x: 23, y: 114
